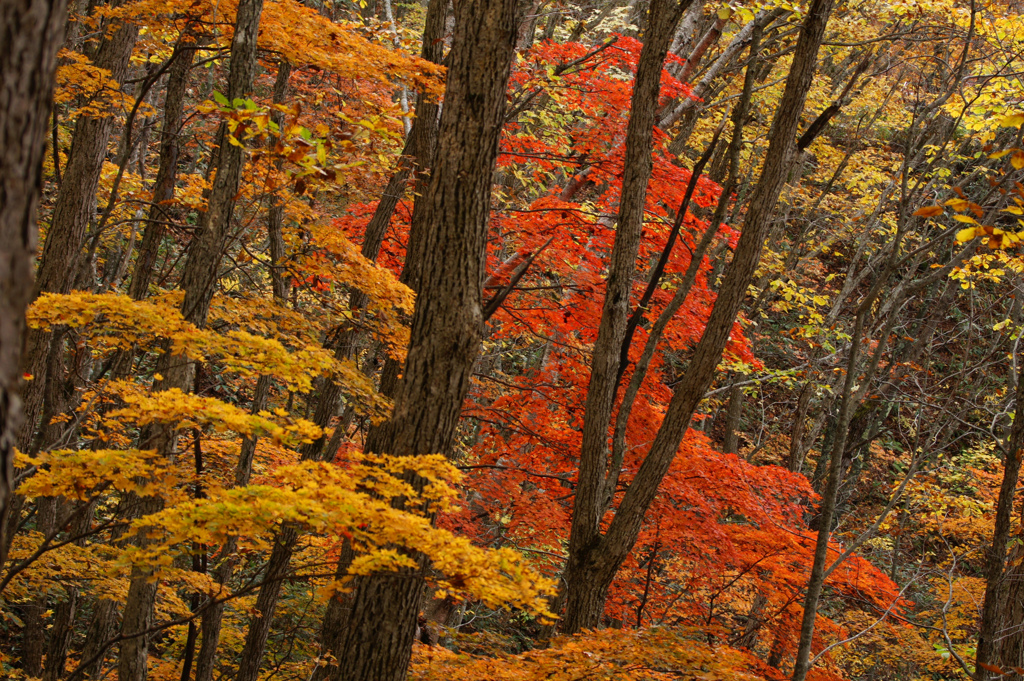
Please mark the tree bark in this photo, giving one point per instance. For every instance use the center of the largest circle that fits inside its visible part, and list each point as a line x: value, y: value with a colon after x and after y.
x: 995, y: 557
x: 447, y: 324
x: 75, y: 205
x: 163, y: 185
x: 199, y: 280
x: 30, y: 33
x: 733, y: 416
x: 588, y: 507
x: 592, y: 564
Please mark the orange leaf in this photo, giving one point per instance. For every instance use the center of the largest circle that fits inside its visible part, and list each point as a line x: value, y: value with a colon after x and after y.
x: 928, y: 211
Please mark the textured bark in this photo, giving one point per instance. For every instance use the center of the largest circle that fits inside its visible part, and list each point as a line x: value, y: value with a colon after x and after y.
x: 422, y: 147
x: 1009, y: 652
x: 447, y: 324
x: 75, y: 205
x: 592, y: 565
x: 733, y: 415
x: 996, y: 576
x: 199, y: 281
x: 30, y: 34
x: 101, y: 627
x: 60, y: 637
x: 604, y: 372
x: 199, y: 277
x: 163, y: 185
x: 335, y: 616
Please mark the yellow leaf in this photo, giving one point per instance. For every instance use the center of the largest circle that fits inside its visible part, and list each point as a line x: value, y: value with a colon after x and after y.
x: 1011, y: 121
x: 965, y: 235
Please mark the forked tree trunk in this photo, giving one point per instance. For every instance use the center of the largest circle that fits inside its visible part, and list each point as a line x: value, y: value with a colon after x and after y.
x: 594, y: 560
x: 376, y: 641
x: 585, y: 608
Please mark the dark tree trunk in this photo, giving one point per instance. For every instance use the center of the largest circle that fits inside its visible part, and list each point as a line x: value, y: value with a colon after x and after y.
x: 163, y: 185
x: 1009, y: 652
x: 447, y: 324
x: 30, y: 33
x: 733, y: 416
x: 75, y: 205
x: 593, y: 561
x: 997, y: 590
x: 583, y: 608
x: 797, y: 451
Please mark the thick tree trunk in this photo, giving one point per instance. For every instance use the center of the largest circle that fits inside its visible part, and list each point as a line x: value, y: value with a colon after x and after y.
x: 592, y: 564
x: 30, y: 33
x: 447, y: 324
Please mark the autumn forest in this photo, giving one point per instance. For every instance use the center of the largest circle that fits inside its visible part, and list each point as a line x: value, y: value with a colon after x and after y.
x: 480, y: 340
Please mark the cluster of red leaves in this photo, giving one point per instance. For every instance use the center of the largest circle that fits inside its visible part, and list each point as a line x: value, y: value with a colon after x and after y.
x: 723, y: 532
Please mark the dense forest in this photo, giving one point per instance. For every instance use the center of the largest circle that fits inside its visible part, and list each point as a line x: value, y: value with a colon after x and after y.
x: 511, y: 339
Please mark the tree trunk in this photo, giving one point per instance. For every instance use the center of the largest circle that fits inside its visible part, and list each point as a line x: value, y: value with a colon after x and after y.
x: 592, y: 564
x: 163, y: 185
x: 76, y: 204
x: 30, y: 33
x: 996, y: 591
x: 797, y: 452
x: 199, y: 281
x: 733, y: 416
x: 447, y: 324
x: 213, y: 615
x: 1009, y: 652
x: 585, y: 609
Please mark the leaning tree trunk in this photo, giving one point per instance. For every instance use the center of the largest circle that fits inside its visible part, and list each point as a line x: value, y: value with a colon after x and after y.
x: 592, y: 564
x: 447, y: 326
x: 30, y: 33
x: 588, y: 507
x: 995, y: 559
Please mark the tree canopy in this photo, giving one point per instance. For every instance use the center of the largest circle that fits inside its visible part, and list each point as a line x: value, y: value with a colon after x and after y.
x: 511, y: 339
